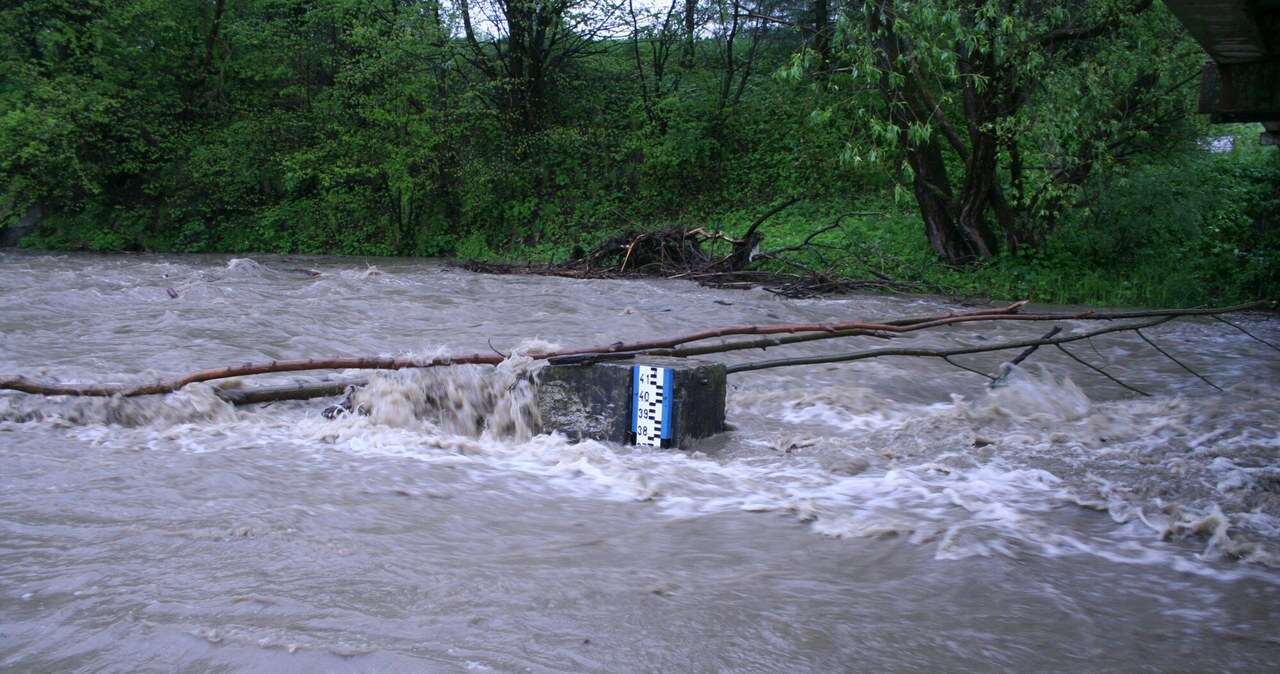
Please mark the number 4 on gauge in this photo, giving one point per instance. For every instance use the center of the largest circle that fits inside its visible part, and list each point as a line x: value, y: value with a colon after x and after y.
x: 652, y: 389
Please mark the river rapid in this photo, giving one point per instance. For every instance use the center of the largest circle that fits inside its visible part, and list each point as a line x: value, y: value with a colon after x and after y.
x: 886, y: 515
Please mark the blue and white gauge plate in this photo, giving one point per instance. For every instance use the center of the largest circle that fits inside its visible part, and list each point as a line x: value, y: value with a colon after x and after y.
x: 652, y: 389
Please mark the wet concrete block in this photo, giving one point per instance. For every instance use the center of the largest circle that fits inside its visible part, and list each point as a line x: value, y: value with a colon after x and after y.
x: 595, y: 400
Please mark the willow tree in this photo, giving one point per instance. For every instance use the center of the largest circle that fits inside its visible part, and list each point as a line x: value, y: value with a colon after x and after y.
x: 997, y: 111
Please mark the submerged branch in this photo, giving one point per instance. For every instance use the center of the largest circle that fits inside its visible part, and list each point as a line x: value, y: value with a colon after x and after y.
x: 299, y: 391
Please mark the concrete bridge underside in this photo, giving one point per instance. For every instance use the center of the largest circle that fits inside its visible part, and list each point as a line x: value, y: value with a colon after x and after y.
x: 1241, y: 82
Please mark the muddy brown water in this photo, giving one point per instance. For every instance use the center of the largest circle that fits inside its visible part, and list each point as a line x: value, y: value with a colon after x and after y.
x: 893, y: 514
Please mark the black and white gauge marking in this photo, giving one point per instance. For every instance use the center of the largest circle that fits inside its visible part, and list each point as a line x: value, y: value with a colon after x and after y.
x: 652, y: 390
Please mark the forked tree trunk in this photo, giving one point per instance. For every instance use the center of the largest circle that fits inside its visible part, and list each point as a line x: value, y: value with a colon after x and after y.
x: 975, y: 198
x: 956, y: 226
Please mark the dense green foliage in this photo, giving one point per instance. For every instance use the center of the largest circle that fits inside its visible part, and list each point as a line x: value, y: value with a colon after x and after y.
x: 521, y: 129
x: 1001, y: 111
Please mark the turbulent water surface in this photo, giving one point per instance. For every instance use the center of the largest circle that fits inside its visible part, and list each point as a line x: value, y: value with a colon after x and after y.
x: 892, y: 514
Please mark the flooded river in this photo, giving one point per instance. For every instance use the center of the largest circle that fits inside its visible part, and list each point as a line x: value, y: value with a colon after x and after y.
x: 892, y: 514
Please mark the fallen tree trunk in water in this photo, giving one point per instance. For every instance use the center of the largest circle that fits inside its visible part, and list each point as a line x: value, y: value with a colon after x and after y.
x: 297, y: 391
x: 674, y: 346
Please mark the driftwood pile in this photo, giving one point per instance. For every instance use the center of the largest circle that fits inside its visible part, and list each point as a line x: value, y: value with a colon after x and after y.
x: 718, y: 260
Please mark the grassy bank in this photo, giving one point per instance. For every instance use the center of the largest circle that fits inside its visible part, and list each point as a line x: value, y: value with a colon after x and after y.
x: 1196, y: 227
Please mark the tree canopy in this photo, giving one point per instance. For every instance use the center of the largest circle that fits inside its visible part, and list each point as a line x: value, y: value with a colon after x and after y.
x: 461, y: 126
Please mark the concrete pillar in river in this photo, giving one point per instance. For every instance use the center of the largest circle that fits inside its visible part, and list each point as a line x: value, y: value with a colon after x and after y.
x: 667, y: 402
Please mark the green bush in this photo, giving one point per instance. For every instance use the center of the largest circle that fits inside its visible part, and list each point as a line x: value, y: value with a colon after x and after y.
x: 338, y: 127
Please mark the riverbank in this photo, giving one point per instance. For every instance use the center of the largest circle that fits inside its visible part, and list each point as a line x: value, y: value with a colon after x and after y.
x: 1117, y: 257
x: 1200, y: 228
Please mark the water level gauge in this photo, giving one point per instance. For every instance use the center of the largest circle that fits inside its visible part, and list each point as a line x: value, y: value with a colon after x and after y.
x: 652, y: 390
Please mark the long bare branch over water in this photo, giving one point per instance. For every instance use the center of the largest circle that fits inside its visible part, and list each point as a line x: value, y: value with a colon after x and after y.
x: 663, y: 346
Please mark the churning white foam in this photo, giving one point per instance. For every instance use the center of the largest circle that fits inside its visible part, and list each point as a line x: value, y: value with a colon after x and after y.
x: 1002, y: 473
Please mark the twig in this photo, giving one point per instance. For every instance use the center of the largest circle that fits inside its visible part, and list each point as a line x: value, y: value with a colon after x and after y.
x: 1182, y: 365
x: 1032, y: 349
x: 630, y: 248
x: 1096, y: 352
x: 1250, y: 334
x: 937, y: 353
x: 769, y: 214
x: 495, y: 350
x: 819, y: 232
x: 1100, y: 371
x: 1008, y: 368
x: 952, y: 363
x: 762, y: 343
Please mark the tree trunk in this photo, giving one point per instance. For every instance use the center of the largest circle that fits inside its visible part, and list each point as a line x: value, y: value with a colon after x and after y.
x: 957, y: 228
x: 822, y: 33
x: 932, y: 188
x: 690, y: 25
x: 980, y: 180
x: 211, y: 39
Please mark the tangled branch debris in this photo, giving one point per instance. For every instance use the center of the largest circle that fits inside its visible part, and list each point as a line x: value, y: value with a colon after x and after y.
x: 765, y: 336
x: 713, y: 258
